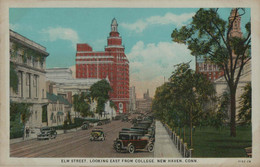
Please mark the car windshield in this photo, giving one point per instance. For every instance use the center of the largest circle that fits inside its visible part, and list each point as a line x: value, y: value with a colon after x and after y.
x: 124, y: 137
x: 44, y: 129
x: 96, y: 131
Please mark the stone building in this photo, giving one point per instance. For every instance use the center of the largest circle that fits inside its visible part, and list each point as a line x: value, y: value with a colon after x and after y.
x: 111, y: 63
x: 221, y: 85
x: 29, y: 61
x: 145, y: 104
x: 61, y: 83
x: 58, y: 109
x: 132, y: 99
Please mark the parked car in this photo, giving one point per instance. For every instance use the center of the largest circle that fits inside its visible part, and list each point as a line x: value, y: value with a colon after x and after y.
x: 133, y: 141
x: 97, y: 134
x: 118, y: 117
x: 47, y: 133
x: 125, y: 119
x: 85, y: 126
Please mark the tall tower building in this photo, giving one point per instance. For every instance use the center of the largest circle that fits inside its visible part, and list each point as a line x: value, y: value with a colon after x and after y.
x: 236, y: 29
x: 111, y: 63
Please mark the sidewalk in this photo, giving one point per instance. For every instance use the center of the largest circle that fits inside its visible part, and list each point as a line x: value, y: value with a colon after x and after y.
x: 34, y: 135
x: 164, y: 147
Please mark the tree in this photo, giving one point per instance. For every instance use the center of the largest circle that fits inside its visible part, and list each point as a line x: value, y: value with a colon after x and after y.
x: 244, y: 114
x: 99, y: 91
x: 210, y: 36
x: 190, y: 90
x: 22, y: 110
x: 180, y: 101
x: 81, y: 104
x: 220, y: 117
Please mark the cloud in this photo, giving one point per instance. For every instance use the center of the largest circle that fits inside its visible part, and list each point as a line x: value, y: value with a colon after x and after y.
x: 151, y: 63
x: 168, y: 18
x: 57, y: 33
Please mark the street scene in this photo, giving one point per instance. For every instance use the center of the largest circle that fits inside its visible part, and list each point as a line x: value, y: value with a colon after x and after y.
x: 93, y: 83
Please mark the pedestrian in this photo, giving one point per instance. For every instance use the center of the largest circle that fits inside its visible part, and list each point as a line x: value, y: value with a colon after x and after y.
x: 27, y: 131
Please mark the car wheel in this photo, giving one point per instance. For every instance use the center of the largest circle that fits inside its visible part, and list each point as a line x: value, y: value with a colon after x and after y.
x: 131, y: 148
x: 118, y: 147
x: 150, y: 147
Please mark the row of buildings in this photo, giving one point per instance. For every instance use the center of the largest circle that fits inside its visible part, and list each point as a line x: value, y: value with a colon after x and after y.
x: 50, y: 91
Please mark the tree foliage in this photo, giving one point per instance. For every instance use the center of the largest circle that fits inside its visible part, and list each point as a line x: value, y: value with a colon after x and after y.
x: 181, y: 101
x: 13, y: 78
x: 219, y: 118
x: 99, y: 91
x: 81, y: 104
x: 19, y: 112
x: 210, y: 36
x: 244, y: 114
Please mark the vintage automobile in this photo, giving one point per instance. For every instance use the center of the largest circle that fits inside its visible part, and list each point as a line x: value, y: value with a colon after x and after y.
x: 85, y: 125
x: 47, y: 133
x: 97, y: 134
x: 125, y: 119
x: 134, y: 130
x: 133, y: 141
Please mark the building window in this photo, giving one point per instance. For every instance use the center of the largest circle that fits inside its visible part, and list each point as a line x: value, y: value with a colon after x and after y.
x: 42, y: 93
x: 35, y: 84
x: 28, y: 83
x: 205, y: 67
x: 36, y: 115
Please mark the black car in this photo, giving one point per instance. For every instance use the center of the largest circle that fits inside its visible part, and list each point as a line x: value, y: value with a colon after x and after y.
x: 47, y: 133
x: 133, y: 141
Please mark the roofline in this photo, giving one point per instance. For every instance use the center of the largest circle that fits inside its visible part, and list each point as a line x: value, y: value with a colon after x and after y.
x: 33, y: 47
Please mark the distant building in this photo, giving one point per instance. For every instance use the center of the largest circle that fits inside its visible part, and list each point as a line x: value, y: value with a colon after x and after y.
x: 210, y: 70
x: 61, y: 83
x: 29, y: 59
x: 145, y: 104
x: 132, y: 99
x: 58, y: 110
x: 111, y: 63
x: 61, y: 79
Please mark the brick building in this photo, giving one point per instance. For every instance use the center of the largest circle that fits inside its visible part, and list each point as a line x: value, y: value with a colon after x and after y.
x: 111, y: 63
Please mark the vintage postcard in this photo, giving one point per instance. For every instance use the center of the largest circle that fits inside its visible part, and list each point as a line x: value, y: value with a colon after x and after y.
x: 129, y: 83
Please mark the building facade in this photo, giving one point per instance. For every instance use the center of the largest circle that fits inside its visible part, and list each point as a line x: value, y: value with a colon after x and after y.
x: 145, y: 104
x: 210, y: 70
x: 132, y: 99
x: 28, y: 59
x: 61, y: 83
x: 111, y: 63
x: 58, y: 109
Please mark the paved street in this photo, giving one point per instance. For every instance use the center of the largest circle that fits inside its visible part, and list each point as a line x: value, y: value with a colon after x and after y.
x: 76, y: 144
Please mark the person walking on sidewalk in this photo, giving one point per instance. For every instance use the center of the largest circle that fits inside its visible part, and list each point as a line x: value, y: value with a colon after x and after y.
x: 27, y: 131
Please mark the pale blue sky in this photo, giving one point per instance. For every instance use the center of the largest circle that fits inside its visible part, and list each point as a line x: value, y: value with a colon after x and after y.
x: 146, y: 34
